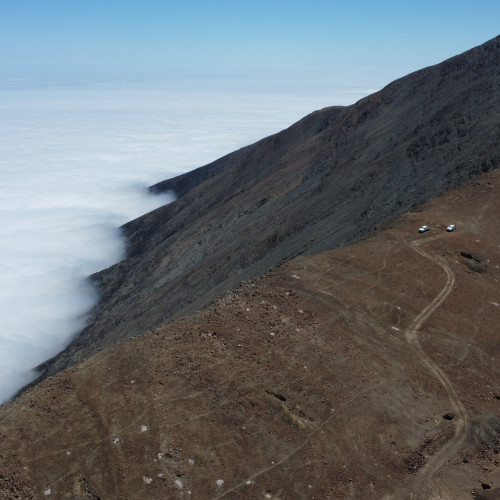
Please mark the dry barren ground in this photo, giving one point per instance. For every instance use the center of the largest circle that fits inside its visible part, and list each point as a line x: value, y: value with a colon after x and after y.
x: 371, y: 371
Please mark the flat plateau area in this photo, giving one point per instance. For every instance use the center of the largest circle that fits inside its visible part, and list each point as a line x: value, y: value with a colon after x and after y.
x: 370, y: 371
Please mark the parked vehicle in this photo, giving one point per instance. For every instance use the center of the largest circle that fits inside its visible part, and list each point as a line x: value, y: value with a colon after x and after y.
x: 423, y: 229
x: 451, y: 228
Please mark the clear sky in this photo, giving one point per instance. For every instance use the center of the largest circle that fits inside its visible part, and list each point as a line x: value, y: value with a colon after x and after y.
x: 236, y: 35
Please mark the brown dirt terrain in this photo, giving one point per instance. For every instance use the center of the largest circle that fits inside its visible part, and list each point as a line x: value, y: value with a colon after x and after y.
x: 370, y: 371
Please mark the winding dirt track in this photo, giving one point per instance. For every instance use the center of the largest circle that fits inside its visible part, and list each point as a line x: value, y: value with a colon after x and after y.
x: 423, y: 482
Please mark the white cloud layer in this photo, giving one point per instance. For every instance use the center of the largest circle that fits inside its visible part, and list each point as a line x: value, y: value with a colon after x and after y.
x: 75, y: 160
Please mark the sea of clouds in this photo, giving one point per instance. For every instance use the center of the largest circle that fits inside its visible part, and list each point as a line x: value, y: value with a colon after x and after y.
x: 77, y: 152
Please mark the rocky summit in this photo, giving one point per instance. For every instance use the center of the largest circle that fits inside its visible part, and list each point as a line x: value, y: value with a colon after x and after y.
x: 294, y: 334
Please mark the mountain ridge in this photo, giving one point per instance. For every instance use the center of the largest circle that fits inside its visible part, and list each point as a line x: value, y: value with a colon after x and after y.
x: 317, y: 185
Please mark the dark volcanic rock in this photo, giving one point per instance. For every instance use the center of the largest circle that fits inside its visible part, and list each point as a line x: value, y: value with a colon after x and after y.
x: 317, y: 185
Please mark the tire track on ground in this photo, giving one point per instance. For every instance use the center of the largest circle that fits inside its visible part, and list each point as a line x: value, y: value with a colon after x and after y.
x: 423, y: 482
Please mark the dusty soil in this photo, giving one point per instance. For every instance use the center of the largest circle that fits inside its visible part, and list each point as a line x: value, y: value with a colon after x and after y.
x: 370, y: 371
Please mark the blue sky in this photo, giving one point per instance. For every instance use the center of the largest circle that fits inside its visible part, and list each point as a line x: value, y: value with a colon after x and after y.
x: 234, y: 35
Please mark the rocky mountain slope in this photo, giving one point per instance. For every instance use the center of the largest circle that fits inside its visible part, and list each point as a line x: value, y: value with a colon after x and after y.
x: 317, y: 185
x: 369, y: 371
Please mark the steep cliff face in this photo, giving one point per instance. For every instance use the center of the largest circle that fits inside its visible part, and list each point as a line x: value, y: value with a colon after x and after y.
x: 317, y: 185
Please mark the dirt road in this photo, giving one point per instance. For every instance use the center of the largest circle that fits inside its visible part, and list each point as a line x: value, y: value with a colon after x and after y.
x: 423, y: 487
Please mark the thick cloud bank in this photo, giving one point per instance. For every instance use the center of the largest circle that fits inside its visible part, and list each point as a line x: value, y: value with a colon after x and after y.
x: 76, y: 154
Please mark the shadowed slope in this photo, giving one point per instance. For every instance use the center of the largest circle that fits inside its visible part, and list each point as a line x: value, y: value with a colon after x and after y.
x: 317, y: 185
